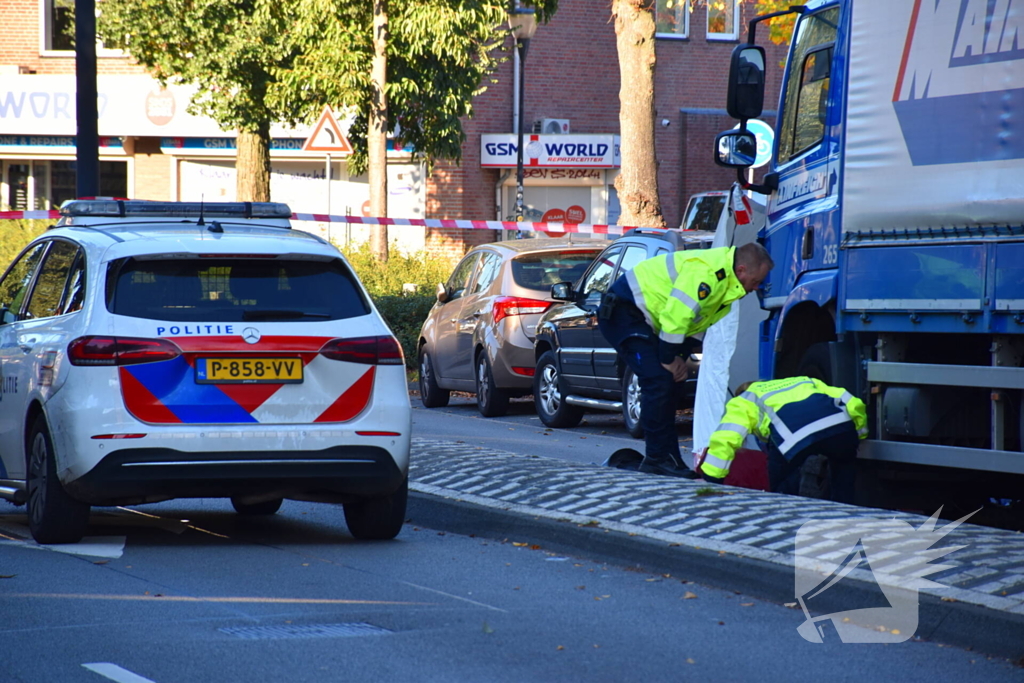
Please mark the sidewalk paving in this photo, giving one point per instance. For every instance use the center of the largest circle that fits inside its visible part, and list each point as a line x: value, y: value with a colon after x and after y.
x: 988, y: 572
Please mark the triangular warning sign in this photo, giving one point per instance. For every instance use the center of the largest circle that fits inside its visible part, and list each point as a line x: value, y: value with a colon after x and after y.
x: 327, y: 136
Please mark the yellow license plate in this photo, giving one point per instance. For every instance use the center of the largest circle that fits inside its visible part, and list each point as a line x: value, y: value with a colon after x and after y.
x: 248, y: 370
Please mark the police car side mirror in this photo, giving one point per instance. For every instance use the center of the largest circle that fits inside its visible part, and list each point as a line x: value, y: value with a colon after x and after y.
x: 562, y: 291
x: 441, y: 293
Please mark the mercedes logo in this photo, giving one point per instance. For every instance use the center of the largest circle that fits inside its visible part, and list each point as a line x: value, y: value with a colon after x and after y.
x: 251, y: 335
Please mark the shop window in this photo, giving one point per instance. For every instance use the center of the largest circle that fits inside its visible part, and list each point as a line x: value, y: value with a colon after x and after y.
x: 672, y: 19
x: 723, y: 19
x: 39, y: 185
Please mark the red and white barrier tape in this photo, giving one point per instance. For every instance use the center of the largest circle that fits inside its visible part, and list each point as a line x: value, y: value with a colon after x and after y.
x: 466, y: 225
x: 416, y: 222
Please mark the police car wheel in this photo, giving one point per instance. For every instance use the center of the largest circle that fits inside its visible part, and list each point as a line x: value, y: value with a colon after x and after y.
x: 548, y: 395
x: 266, y: 507
x: 490, y: 400
x: 53, y: 515
x: 431, y: 395
x: 631, y: 404
x: 380, y: 518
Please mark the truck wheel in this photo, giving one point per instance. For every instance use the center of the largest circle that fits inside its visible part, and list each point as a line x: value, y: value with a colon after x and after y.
x: 431, y: 395
x: 817, y: 363
x: 631, y: 404
x: 53, y: 515
x: 490, y: 400
x: 267, y: 507
x: 814, y: 478
x: 380, y: 518
x: 548, y: 393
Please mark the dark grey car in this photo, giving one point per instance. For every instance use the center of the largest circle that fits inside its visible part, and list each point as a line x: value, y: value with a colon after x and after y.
x: 479, y: 335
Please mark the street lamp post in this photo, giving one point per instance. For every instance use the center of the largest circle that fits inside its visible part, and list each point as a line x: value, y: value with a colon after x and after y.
x: 523, y: 22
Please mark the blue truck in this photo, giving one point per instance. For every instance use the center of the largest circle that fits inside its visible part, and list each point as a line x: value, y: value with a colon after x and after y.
x: 895, y: 218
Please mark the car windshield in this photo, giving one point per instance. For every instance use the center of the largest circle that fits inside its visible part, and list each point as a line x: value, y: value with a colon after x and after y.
x: 703, y: 213
x: 542, y: 269
x: 233, y: 290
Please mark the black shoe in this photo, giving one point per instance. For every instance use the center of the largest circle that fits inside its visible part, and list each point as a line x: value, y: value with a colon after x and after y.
x: 666, y: 467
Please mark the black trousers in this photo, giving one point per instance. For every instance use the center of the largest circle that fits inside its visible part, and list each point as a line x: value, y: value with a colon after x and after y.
x: 840, y: 449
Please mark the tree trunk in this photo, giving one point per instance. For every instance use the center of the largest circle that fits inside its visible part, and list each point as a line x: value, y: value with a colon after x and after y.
x: 253, y: 165
x: 377, y: 135
x: 637, y: 183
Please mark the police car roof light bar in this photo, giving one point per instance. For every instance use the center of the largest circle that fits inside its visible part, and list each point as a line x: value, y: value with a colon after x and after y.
x: 149, y: 209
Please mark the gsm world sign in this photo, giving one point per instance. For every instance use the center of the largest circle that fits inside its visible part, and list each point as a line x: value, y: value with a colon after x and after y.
x: 551, y: 151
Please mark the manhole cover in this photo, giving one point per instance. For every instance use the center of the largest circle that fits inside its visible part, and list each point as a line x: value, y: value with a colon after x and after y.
x: 305, y: 631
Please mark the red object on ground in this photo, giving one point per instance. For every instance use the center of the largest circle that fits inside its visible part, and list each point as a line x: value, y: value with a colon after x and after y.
x: 749, y: 470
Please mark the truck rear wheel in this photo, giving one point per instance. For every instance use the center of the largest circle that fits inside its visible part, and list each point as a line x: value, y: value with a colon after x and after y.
x: 817, y: 363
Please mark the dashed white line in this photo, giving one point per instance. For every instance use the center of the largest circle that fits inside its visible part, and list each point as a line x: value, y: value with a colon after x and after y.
x: 116, y: 673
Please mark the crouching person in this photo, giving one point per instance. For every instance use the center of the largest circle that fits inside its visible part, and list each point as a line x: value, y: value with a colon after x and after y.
x: 797, y: 417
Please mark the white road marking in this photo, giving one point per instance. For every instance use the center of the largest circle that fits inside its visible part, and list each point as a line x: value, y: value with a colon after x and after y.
x: 116, y: 673
x: 91, y: 546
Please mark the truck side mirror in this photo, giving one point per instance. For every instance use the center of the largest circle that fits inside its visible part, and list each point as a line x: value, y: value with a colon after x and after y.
x: 562, y: 291
x: 736, y: 149
x: 745, y: 98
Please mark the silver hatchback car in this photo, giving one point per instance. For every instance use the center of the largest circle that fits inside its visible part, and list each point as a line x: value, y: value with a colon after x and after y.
x: 479, y: 335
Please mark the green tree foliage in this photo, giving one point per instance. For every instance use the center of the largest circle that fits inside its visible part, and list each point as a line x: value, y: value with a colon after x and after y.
x: 439, y: 55
x: 231, y: 49
x: 780, y: 29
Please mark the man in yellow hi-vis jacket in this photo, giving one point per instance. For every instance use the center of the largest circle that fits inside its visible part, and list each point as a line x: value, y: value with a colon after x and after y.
x: 650, y: 314
x: 797, y: 417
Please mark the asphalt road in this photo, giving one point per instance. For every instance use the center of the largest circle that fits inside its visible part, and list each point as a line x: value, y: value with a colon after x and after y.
x: 188, y: 591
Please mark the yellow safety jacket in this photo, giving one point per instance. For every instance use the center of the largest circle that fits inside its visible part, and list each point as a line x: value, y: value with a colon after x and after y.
x: 684, y: 293
x: 790, y: 414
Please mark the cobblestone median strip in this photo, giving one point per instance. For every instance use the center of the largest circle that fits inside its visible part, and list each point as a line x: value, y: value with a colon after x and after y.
x: 989, y: 571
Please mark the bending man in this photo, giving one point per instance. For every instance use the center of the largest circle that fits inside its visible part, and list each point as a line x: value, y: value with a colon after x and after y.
x: 797, y: 417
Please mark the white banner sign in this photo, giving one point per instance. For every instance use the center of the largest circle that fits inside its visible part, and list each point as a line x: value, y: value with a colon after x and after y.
x: 551, y: 151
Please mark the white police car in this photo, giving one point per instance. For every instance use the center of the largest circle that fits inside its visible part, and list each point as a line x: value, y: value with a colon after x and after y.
x: 158, y: 350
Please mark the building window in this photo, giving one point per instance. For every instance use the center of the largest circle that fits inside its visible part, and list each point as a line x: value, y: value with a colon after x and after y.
x: 27, y: 185
x: 672, y: 19
x: 723, y: 19
x: 58, y: 29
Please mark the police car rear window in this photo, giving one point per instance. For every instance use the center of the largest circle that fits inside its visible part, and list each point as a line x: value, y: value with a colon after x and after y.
x: 233, y: 290
x: 541, y: 270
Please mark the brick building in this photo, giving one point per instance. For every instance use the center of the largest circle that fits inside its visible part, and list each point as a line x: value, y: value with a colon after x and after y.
x: 151, y: 147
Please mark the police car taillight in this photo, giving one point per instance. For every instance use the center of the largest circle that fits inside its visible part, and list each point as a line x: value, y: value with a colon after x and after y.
x: 382, y: 350
x: 120, y: 351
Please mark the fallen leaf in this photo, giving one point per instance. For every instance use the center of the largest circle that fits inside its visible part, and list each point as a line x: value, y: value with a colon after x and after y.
x: 592, y: 522
x: 101, y: 561
x: 515, y: 588
x: 791, y: 605
x: 7, y: 576
x: 519, y: 545
x: 895, y: 631
x: 305, y: 564
x: 581, y: 588
x: 721, y: 623
x: 689, y: 660
x: 689, y: 595
x: 146, y: 593
x: 652, y: 580
x: 597, y: 646
x: 534, y: 547
x: 948, y: 599
x: 560, y: 647
x: 441, y: 533
x: 746, y: 604
x: 487, y: 628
